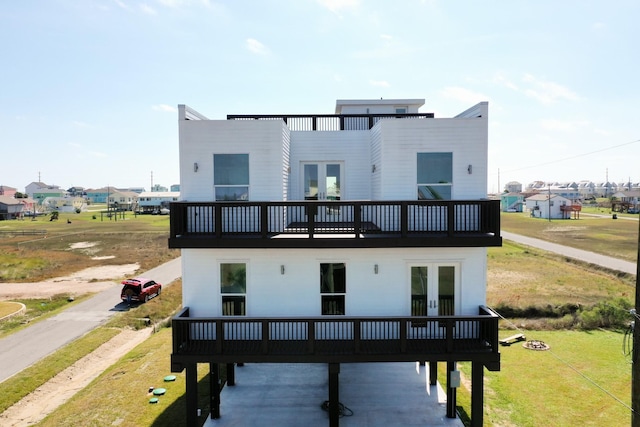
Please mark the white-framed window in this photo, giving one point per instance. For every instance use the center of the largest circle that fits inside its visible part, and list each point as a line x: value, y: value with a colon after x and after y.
x: 231, y: 177
x: 233, y: 288
x: 333, y: 288
x: 434, y: 176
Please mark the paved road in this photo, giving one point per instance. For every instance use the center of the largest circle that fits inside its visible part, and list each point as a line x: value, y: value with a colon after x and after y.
x: 591, y: 257
x: 22, y: 349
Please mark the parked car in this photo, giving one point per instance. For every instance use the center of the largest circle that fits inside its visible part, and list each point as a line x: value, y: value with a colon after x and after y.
x: 139, y: 289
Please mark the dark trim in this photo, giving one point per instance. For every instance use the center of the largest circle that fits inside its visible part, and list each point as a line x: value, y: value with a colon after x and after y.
x: 329, y: 122
x: 335, y: 224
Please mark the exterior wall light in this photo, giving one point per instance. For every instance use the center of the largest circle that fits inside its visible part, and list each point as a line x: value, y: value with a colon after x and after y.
x: 195, y: 167
x: 282, y: 269
x: 469, y: 169
x: 375, y: 269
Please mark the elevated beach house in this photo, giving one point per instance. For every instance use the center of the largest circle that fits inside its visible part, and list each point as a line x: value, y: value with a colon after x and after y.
x: 353, y: 237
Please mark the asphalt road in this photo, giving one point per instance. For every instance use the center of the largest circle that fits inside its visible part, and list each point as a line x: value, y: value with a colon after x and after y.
x: 22, y: 349
x: 586, y: 256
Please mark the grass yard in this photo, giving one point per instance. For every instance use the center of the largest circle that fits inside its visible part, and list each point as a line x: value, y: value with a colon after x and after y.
x: 583, y: 380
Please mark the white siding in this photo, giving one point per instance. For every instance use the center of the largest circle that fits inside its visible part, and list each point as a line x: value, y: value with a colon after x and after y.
x: 350, y: 147
x: 403, y: 139
x: 263, y: 140
x: 297, y: 291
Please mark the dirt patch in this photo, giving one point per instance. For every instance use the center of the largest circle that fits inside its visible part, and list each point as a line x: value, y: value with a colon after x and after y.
x: 46, y: 399
x: 94, y: 279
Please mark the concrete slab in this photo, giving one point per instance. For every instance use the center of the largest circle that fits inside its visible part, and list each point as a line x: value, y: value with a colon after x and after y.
x: 374, y: 394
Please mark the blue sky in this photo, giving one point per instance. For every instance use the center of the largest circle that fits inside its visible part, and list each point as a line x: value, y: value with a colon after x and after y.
x: 90, y: 88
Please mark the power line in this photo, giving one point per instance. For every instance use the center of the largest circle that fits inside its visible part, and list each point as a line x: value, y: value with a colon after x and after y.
x: 570, y: 366
x: 573, y: 157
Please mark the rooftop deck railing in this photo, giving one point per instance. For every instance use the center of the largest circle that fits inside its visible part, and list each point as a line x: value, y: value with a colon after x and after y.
x: 330, y: 122
x: 335, y: 339
x: 358, y: 220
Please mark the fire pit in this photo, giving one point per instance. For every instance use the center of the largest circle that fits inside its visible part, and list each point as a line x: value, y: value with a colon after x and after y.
x: 536, y: 345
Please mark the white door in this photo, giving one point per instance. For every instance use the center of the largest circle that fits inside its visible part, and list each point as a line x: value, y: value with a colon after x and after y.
x: 433, y: 289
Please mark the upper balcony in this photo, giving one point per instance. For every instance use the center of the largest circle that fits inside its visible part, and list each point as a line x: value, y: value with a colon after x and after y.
x: 331, y: 122
x: 335, y: 224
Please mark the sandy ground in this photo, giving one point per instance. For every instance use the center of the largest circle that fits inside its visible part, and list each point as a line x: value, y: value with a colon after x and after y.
x: 94, y: 279
x: 34, y: 407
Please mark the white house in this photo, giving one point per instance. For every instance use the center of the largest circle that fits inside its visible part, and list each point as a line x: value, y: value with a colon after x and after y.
x: 358, y: 236
x: 552, y: 206
x: 154, y: 201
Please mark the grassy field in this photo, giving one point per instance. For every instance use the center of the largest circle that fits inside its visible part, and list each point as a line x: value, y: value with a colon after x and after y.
x: 30, y: 258
x: 583, y: 380
x: 600, y: 234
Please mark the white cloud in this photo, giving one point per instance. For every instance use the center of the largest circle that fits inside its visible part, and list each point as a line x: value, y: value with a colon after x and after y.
x: 164, y: 107
x: 336, y: 6
x: 563, y: 125
x: 145, y: 8
x: 379, y: 83
x: 256, y: 47
x: 181, y: 3
x: 122, y: 4
x: 598, y: 26
x: 547, y: 92
x: 98, y: 154
x: 464, y: 95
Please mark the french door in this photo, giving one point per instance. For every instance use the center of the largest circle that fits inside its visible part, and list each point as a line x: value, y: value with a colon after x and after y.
x: 322, y: 180
x: 433, y: 289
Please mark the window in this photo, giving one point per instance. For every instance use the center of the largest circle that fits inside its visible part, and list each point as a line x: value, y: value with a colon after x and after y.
x: 435, y: 176
x: 333, y: 288
x: 231, y: 176
x: 401, y: 110
x: 233, y: 287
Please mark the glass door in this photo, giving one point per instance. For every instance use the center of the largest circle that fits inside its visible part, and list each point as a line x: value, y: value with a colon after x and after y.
x: 433, y: 290
x: 321, y: 181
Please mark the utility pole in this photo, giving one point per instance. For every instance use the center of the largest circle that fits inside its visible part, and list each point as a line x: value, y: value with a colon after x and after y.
x: 635, y: 358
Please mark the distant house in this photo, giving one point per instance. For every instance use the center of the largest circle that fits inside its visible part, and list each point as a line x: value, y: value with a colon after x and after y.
x: 624, y: 201
x: 511, y: 202
x: 39, y: 191
x: 552, y: 206
x: 10, y: 208
x: 99, y: 195
x: 175, y: 188
x: 152, y: 201
x: 513, y: 187
x: 5, y: 190
x: 123, y: 200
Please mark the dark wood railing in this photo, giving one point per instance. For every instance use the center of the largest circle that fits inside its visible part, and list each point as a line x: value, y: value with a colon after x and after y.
x: 406, y: 223
x: 335, y: 339
x: 330, y: 122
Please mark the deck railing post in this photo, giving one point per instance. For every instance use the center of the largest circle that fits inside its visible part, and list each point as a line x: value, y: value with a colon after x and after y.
x: 264, y: 219
x: 451, y: 218
x: 404, y: 219
x: 265, y: 337
x: 356, y: 335
x: 218, y: 220
x: 311, y: 336
x: 357, y: 220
